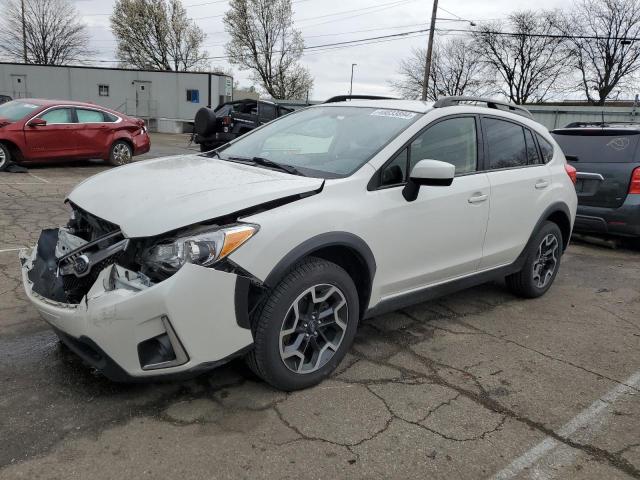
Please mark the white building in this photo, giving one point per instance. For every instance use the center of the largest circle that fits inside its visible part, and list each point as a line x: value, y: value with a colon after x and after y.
x: 166, y: 100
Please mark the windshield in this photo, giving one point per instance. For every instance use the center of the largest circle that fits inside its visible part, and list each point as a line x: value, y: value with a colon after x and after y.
x: 16, y: 110
x: 326, y: 142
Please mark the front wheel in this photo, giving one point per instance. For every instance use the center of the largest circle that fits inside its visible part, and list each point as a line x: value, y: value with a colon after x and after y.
x: 541, y: 265
x: 306, y: 326
x: 5, y: 157
x: 121, y: 153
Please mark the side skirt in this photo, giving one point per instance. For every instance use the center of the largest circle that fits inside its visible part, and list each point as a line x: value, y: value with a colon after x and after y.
x: 436, y: 291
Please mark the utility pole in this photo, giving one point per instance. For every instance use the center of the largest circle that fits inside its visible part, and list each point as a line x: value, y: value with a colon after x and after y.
x: 432, y: 32
x: 24, y: 34
x: 351, y: 87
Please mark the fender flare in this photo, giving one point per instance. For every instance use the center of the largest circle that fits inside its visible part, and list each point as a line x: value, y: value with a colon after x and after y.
x: 548, y: 212
x: 329, y: 239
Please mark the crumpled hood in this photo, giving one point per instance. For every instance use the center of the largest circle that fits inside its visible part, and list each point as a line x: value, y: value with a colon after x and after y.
x: 151, y: 197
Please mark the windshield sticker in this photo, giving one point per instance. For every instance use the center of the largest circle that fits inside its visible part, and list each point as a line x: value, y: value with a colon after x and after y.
x: 394, y: 114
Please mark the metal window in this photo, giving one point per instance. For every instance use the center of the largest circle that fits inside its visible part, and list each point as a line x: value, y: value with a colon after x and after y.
x: 193, y: 96
x: 103, y: 90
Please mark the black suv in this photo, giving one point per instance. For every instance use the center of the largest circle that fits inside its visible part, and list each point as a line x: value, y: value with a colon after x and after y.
x: 607, y: 157
x: 5, y: 99
x: 213, y: 128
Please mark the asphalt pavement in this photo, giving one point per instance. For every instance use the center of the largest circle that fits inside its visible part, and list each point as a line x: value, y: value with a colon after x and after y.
x: 479, y: 384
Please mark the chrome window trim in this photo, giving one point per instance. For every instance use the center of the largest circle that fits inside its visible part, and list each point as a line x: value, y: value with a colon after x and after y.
x: 96, y: 109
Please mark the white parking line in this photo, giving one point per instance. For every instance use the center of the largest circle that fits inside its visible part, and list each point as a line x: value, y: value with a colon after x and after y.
x: 38, y: 183
x: 39, y: 178
x: 11, y: 249
x: 586, y: 423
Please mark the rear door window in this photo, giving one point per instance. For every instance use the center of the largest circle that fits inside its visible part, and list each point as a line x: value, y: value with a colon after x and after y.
x: 89, y: 116
x: 546, y: 148
x: 506, y: 144
x: 590, y: 148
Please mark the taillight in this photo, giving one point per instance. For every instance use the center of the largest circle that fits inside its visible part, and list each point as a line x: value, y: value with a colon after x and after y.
x: 572, y: 172
x: 634, y: 186
x: 226, y: 120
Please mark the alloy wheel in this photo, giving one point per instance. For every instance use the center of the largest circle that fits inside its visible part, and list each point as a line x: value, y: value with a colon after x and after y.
x: 3, y: 158
x: 121, y: 154
x: 546, y: 261
x: 313, y: 328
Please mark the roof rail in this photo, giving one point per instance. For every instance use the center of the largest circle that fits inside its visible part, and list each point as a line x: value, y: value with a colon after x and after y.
x: 342, y: 98
x: 452, y: 101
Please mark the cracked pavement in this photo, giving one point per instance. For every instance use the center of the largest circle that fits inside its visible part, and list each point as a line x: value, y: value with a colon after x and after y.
x: 478, y: 384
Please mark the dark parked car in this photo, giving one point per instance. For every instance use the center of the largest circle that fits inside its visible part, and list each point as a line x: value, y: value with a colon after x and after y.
x: 213, y: 128
x: 5, y: 99
x: 607, y: 157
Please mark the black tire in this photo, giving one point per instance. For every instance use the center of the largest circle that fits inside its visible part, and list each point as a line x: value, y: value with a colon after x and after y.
x: 265, y: 359
x: 525, y: 283
x: 204, y: 124
x: 5, y: 157
x: 120, y: 153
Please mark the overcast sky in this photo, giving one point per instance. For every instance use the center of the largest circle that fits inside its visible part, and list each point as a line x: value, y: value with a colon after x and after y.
x: 331, y: 21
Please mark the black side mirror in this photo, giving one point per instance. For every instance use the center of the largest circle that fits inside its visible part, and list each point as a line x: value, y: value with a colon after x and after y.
x: 38, y: 122
x: 428, y: 173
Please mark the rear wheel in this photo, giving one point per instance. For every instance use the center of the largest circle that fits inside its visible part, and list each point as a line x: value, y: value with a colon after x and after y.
x: 306, y: 326
x: 121, y: 153
x: 542, y: 264
x: 5, y: 157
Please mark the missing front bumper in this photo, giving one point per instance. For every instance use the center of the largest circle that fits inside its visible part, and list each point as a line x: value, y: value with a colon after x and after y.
x: 120, y: 312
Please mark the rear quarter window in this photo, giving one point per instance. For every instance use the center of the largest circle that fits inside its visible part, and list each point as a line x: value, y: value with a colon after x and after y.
x: 545, y: 148
x: 620, y: 148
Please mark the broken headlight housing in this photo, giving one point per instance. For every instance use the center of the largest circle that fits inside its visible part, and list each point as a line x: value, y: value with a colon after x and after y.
x: 203, y: 248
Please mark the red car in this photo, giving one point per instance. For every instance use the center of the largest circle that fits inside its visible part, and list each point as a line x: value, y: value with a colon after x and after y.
x: 34, y: 130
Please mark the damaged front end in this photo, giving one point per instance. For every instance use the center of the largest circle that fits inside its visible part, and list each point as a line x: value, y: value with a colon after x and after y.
x: 136, y: 308
x: 67, y: 261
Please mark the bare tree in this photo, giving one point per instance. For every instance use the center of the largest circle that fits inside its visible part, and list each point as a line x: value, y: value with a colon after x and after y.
x: 157, y: 35
x: 455, y: 70
x: 598, y: 33
x: 527, y: 58
x: 54, y: 35
x: 264, y: 41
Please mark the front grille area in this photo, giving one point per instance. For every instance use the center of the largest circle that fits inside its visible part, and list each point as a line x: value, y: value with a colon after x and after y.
x: 77, y: 287
x: 68, y: 278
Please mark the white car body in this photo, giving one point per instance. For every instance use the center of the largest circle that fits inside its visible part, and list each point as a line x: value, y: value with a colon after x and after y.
x: 471, y: 231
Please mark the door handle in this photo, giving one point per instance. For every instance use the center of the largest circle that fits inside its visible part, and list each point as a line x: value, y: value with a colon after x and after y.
x: 540, y: 184
x: 478, y: 198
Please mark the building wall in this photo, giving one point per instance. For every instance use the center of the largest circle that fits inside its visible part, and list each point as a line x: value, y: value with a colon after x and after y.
x: 160, y: 96
x: 558, y: 116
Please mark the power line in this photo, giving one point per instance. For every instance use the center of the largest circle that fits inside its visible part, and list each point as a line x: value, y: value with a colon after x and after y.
x: 450, y: 13
x: 397, y: 36
x: 379, y: 8
x: 354, y: 10
x: 539, y: 35
x: 374, y: 9
x: 326, y: 46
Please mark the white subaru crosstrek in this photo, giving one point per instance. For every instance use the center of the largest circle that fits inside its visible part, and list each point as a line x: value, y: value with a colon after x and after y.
x: 276, y: 245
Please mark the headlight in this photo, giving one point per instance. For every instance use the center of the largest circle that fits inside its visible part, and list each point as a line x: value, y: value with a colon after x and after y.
x: 201, y: 248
